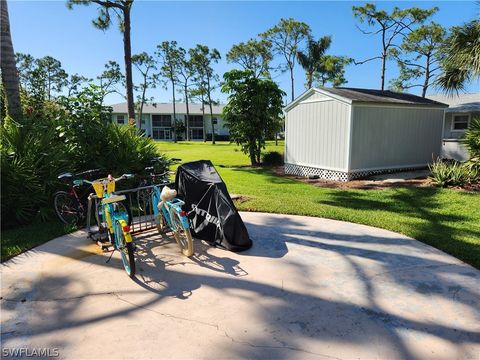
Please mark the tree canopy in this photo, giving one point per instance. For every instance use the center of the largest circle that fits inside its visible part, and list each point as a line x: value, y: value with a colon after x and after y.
x: 253, y: 111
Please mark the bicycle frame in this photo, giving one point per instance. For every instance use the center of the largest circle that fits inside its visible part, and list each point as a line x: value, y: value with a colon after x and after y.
x: 112, y: 216
x: 175, y: 203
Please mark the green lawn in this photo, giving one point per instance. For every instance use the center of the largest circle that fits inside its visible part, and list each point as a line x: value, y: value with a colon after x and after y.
x: 18, y: 240
x: 446, y: 219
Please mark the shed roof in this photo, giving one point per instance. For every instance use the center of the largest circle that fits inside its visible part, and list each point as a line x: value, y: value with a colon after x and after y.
x: 167, y: 108
x: 357, y: 95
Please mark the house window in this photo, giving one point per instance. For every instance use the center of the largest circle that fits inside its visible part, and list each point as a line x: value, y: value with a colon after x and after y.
x: 214, y: 121
x: 460, y: 122
x: 120, y: 119
x: 161, y: 120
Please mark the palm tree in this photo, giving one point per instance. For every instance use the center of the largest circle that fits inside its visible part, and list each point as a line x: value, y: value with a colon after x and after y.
x: 462, y: 62
x: 310, y: 61
x: 7, y: 63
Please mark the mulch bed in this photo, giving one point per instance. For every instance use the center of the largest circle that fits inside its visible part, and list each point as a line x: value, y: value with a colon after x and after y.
x: 367, y: 184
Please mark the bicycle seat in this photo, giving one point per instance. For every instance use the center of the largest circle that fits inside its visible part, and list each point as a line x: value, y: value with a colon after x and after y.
x: 65, y: 177
x: 113, y: 199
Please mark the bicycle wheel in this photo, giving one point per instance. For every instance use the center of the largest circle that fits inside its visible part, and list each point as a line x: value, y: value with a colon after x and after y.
x: 182, y: 235
x: 126, y: 250
x: 66, y: 207
x: 99, y: 218
x: 144, y: 199
x: 161, y: 222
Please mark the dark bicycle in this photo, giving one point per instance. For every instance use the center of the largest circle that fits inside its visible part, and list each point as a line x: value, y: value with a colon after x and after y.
x: 150, y: 177
x: 71, y: 206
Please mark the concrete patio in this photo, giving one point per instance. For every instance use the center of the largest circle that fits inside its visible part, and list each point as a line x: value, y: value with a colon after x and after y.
x: 309, y: 288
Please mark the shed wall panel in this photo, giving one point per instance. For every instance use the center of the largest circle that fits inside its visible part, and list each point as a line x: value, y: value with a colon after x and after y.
x: 317, y: 134
x: 388, y: 136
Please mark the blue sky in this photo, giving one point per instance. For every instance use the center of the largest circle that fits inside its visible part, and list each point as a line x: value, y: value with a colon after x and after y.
x: 48, y: 28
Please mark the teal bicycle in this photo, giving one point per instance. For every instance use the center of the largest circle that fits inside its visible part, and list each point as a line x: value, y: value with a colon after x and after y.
x: 113, y: 216
x: 170, y: 216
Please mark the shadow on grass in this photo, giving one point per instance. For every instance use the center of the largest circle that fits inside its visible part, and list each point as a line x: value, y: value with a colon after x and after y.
x: 420, y: 206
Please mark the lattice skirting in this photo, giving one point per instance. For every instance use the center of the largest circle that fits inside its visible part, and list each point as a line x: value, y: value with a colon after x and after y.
x: 300, y: 170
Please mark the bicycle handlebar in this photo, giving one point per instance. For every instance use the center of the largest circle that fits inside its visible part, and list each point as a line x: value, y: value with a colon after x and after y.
x: 124, y: 176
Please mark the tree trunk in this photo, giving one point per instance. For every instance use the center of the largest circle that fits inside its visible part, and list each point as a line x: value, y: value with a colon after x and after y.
x: 174, y: 113
x: 127, y: 48
x: 203, y: 119
x: 188, y: 111
x: 251, y: 153
x: 427, y: 77
x: 211, y: 110
x: 382, y: 74
x: 309, y: 79
x: 292, y: 83
x: 8, y: 66
x: 140, y: 110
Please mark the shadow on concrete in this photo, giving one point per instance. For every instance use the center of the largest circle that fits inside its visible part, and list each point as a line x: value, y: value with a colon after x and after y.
x: 292, y: 317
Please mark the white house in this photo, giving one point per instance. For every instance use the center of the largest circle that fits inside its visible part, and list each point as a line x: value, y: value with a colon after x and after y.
x: 463, y: 108
x: 157, y: 120
x: 346, y: 133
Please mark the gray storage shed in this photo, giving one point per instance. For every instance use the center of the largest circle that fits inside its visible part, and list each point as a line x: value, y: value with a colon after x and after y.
x: 347, y: 133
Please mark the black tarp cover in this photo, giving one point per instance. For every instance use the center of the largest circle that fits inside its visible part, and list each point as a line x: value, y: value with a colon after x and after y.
x: 213, y: 216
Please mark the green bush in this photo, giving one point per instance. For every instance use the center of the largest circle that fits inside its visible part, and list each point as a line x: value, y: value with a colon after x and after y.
x: 272, y: 158
x: 454, y: 173
x: 75, y: 134
x: 472, y: 139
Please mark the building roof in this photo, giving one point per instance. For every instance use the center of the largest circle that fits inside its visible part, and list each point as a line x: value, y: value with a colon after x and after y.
x: 459, y: 102
x: 167, y: 108
x: 356, y: 95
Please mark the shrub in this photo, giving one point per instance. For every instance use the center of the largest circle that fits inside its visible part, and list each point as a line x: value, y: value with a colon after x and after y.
x: 472, y: 139
x: 454, y: 173
x: 272, y: 158
x: 31, y: 158
x: 74, y: 135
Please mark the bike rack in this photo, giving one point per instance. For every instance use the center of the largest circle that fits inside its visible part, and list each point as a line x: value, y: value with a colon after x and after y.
x: 141, y: 207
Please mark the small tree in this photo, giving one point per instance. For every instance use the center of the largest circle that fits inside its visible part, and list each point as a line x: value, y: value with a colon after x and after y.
x: 253, y: 111
x: 389, y: 26
x: 145, y: 64
x: 253, y: 55
x: 110, y: 78
x: 76, y: 83
x: 170, y: 57
x: 331, y: 70
x: 285, y: 38
x: 202, y: 59
x: 418, y: 57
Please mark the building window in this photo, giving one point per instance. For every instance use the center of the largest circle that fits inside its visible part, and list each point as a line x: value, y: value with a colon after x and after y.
x: 196, y: 134
x: 161, y: 120
x: 161, y: 134
x: 195, y: 121
x: 215, y: 121
x: 460, y: 122
x: 120, y: 119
